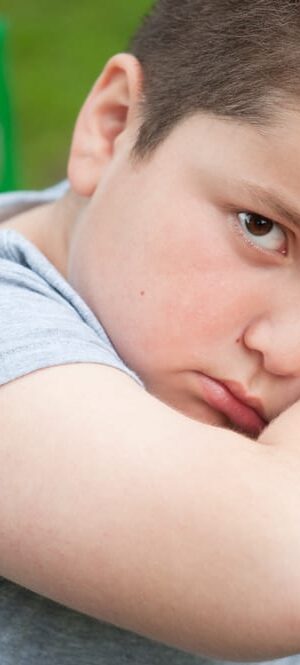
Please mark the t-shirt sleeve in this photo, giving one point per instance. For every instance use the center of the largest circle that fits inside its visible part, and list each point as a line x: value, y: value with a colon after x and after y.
x: 41, y: 328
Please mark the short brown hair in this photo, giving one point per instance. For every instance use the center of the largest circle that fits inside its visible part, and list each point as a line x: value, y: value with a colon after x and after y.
x: 232, y: 58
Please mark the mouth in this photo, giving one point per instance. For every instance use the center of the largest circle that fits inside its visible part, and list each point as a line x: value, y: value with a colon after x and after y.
x: 245, y: 413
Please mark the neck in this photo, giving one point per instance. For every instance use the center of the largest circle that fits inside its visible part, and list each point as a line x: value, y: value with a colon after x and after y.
x: 50, y: 227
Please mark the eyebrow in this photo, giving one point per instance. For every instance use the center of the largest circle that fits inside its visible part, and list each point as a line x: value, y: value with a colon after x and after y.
x: 277, y: 204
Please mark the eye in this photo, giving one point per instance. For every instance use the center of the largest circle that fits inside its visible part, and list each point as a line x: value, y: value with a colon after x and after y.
x: 263, y: 232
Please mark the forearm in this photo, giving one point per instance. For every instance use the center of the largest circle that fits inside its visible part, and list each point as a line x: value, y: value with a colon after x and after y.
x: 283, y: 435
x: 182, y: 532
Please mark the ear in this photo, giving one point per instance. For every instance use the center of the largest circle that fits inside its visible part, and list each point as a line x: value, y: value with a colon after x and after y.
x: 110, y: 109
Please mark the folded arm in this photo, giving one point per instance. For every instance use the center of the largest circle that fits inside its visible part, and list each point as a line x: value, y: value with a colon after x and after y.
x: 116, y: 505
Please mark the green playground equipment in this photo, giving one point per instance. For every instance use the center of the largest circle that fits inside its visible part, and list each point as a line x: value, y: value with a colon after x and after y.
x: 8, y: 179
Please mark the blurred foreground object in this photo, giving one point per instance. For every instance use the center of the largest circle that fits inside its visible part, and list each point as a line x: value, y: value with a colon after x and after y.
x: 7, y: 145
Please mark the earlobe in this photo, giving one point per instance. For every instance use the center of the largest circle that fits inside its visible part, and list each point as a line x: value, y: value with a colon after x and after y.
x: 110, y: 109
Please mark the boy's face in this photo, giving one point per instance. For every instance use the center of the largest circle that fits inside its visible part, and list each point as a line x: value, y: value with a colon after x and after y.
x: 187, y: 283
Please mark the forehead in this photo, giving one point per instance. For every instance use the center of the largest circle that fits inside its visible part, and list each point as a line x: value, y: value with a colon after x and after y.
x: 281, y: 136
x: 254, y: 160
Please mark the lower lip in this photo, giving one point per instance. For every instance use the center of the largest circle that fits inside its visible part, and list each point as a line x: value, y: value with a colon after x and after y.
x: 243, y: 417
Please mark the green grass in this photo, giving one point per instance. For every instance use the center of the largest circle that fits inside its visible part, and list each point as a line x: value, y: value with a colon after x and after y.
x: 57, y: 50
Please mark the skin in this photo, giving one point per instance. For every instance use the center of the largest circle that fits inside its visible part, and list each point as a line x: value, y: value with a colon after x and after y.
x: 158, y: 542
x: 159, y: 251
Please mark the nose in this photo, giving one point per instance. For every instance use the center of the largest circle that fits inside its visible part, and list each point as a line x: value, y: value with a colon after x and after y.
x: 277, y: 338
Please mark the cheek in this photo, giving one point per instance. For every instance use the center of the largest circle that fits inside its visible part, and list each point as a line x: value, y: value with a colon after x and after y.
x: 161, y: 289
x: 210, y: 306
x: 198, y: 288
x: 195, y: 285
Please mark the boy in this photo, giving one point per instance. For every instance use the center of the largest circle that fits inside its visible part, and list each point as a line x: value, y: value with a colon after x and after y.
x: 150, y: 332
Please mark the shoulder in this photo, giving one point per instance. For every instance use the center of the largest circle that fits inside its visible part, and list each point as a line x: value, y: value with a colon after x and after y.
x: 44, y: 322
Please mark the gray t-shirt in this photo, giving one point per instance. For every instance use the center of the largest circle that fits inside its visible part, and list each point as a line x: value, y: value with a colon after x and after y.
x: 44, y: 322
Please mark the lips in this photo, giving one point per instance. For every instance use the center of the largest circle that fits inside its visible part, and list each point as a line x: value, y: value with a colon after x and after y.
x: 239, y: 410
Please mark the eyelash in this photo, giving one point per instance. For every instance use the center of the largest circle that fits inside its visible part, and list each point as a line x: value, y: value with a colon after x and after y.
x: 247, y: 239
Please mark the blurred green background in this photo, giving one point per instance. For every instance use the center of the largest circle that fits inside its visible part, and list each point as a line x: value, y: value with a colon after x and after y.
x: 56, y: 50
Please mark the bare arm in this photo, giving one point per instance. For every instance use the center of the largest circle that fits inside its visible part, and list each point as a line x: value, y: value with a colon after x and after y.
x: 116, y: 505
